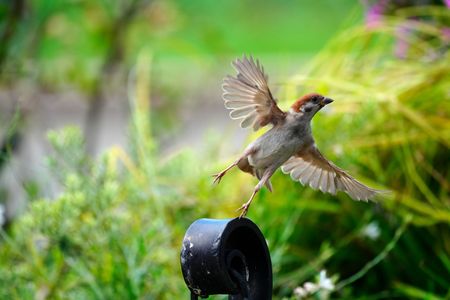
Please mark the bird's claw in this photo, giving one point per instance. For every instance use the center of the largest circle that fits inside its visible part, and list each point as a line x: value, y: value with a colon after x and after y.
x: 217, y: 177
x: 244, y: 209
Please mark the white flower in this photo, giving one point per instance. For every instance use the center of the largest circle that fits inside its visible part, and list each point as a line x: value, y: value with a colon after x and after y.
x: 306, y: 290
x: 325, y: 282
x: 372, y: 230
x: 323, y: 287
x: 310, y: 287
x: 300, y: 292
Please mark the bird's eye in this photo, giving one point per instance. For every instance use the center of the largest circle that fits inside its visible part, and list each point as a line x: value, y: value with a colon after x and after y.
x: 315, y: 99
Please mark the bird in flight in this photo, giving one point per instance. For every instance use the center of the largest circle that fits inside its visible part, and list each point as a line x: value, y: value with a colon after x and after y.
x: 289, y: 144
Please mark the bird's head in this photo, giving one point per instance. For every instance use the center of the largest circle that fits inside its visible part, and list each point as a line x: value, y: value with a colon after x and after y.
x: 310, y: 104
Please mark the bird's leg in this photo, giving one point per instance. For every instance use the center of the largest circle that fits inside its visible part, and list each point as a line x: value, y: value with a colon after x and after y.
x: 246, y: 205
x: 218, y: 176
x: 266, y: 176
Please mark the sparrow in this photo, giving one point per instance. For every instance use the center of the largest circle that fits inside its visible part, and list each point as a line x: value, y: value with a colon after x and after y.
x: 289, y: 142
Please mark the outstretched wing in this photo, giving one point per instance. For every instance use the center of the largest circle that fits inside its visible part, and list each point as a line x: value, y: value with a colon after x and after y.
x: 311, y: 168
x: 249, y: 97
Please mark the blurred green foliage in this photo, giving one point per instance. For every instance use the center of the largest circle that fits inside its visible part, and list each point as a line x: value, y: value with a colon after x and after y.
x: 115, y: 230
x: 90, y: 46
x: 68, y: 42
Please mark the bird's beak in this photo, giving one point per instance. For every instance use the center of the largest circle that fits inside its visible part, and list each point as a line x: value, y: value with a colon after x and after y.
x: 325, y: 101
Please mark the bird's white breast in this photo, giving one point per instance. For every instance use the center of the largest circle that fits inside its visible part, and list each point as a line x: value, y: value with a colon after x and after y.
x: 278, y: 144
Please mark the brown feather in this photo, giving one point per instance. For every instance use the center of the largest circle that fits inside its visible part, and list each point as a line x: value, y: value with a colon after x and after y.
x: 299, y: 103
x: 307, y: 167
x: 245, y: 166
x: 250, y: 87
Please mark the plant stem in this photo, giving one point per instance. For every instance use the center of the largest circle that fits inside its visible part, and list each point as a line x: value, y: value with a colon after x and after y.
x: 382, y: 255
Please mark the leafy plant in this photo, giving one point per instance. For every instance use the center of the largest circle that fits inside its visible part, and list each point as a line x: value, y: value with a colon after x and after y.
x: 115, y: 229
x: 390, y: 123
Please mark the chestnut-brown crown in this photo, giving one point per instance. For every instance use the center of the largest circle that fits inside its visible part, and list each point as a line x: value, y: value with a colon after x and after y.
x: 304, y: 99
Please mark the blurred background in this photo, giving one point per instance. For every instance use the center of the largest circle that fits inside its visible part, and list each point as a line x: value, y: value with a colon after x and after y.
x: 112, y: 122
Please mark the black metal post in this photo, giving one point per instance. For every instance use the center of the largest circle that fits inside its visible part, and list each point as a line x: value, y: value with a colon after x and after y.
x: 227, y: 256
